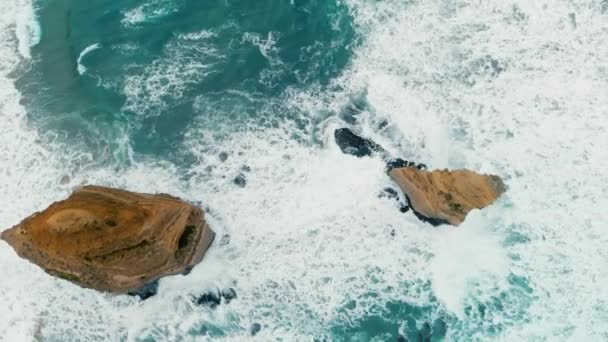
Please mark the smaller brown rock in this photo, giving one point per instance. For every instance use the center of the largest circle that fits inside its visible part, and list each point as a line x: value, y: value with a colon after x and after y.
x: 447, y: 195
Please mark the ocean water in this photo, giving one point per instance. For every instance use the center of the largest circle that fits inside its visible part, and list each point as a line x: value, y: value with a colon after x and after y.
x: 147, y: 95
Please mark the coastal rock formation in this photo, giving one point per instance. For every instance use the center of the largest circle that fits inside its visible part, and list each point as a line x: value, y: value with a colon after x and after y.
x: 113, y: 240
x: 437, y: 197
x: 447, y: 196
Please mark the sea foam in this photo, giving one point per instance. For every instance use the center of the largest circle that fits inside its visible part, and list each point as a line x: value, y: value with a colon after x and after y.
x: 27, y: 30
x: 513, y: 89
x: 81, y: 68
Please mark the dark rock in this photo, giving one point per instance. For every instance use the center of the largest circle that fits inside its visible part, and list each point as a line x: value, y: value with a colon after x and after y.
x: 255, y: 328
x: 425, y: 333
x: 216, y: 297
x: 353, y: 144
x: 211, y: 299
x: 246, y: 168
x: 146, y: 291
x: 401, y: 338
x: 228, y: 294
x: 187, y: 270
x: 383, y: 124
x: 223, y: 156
x: 240, y: 180
x: 390, y: 193
x: 433, y: 221
x: 396, y: 163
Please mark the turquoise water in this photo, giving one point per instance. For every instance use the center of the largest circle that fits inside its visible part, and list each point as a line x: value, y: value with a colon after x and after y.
x: 183, y: 96
x: 160, y: 65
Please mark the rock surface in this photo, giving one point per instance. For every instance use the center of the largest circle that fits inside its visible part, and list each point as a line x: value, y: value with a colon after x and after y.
x: 216, y: 297
x: 113, y: 240
x: 350, y: 143
x: 447, y: 196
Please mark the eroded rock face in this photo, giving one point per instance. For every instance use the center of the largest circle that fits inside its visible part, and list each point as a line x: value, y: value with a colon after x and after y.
x: 113, y: 240
x: 447, y: 196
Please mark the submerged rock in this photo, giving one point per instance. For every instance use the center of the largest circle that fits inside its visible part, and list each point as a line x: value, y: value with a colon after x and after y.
x: 443, y: 195
x: 216, y: 297
x: 146, y: 291
x: 425, y: 333
x: 65, y: 179
x: 113, y: 240
x: 225, y: 240
x: 255, y: 328
x: 240, y: 180
x: 392, y: 194
x: 439, y: 328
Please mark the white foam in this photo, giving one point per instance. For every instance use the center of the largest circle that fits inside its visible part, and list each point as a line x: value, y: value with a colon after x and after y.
x: 200, y: 35
x: 310, y: 237
x: 150, y: 10
x: 184, y: 62
x: 267, y: 45
x: 539, y: 123
x: 81, y: 68
x: 28, y: 29
x: 30, y: 173
x: 466, y: 258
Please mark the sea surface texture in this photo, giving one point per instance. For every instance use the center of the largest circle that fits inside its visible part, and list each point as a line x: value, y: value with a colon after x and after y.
x: 184, y: 96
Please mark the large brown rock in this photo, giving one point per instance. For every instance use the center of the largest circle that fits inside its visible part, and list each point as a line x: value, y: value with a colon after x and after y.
x: 113, y: 240
x: 447, y: 195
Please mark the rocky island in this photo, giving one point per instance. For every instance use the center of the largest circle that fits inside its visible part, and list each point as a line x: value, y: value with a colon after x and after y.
x: 113, y: 240
x: 447, y: 196
x: 437, y: 197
